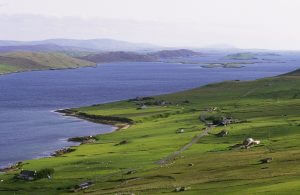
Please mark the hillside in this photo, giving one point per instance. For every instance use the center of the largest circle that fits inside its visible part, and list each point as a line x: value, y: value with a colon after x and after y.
x: 26, y: 61
x: 175, y: 143
x: 121, y: 56
x: 175, y: 53
x: 43, y: 57
x: 294, y: 73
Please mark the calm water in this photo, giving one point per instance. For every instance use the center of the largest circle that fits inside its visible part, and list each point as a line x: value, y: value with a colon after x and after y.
x: 29, y: 129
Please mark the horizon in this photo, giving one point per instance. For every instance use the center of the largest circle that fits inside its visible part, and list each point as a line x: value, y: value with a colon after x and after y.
x: 213, y: 47
x: 171, y: 23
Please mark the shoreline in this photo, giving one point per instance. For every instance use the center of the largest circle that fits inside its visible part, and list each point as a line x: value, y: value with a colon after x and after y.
x: 49, y: 69
x: 113, y: 121
x: 85, y: 139
x: 117, y: 122
x: 94, y: 66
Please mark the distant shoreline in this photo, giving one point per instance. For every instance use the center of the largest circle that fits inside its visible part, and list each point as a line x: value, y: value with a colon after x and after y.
x: 94, y: 66
x: 38, y: 70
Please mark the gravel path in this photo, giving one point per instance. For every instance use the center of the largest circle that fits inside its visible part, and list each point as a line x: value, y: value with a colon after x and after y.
x: 172, y: 156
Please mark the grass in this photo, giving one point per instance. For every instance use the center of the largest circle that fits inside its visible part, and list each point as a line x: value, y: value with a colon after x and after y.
x: 26, y: 61
x: 269, y: 109
x: 7, y: 69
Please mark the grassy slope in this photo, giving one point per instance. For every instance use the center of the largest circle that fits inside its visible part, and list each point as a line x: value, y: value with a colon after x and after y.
x: 25, y: 61
x: 271, y: 106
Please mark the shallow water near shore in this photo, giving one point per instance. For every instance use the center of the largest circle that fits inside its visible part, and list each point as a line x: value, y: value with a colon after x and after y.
x: 30, y: 129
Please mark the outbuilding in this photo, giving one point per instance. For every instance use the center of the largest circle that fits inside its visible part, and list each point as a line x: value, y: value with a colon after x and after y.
x: 83, y: 186
x: 27, y: 175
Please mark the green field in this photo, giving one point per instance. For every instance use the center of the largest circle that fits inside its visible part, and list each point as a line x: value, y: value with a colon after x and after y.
x: 7, y: 69
x: 27, y: 61
x: 267, y: 110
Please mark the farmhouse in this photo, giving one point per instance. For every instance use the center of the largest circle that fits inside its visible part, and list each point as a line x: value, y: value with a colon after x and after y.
x: 250, y: 142
x: 27, y: 175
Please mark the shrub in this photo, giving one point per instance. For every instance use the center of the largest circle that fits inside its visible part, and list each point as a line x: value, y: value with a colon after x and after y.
x: 215, y: 119
x: 44, y: 173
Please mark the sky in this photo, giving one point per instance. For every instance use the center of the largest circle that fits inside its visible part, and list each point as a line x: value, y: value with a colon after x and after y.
x: 262, y: 24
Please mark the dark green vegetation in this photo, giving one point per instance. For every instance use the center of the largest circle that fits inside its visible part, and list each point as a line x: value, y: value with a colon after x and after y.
x: 44, y: 173
x: 151, y: 157
x: 26, y: 61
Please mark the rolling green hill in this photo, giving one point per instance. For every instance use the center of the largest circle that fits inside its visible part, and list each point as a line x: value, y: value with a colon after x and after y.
x: 26, y: 61
x: 172, y: 143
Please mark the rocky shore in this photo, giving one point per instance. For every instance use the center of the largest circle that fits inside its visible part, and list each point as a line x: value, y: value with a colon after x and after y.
x: 119, y: 122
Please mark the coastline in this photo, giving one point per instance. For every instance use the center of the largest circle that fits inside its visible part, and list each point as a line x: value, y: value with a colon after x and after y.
x: 36, y: 70
x: 94, y: 66
x: 95, y: 119
x: 117, y: 122
x: 132, y: 156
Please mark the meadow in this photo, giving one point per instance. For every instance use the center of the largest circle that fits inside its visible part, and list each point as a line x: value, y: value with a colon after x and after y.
x: 21, y: 61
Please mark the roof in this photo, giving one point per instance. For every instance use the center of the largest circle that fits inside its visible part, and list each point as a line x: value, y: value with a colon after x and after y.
x: 84, y: 184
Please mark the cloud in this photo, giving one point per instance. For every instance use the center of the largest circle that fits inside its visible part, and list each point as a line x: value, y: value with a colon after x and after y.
x: 3, y: 5
x: 200, y: 33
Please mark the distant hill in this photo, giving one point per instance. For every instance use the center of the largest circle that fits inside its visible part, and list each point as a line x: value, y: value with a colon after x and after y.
x: 258, y: 55
x: 31, y: 48
x: 10, y: 43
x: 26, y: 61
x: 17, y: 61
x: 94, y: 44
x: 72, y: 51
x: 294, y: 73
x: 242, y: 56
x: 175, y: 53
x: 42, y: 48
x: 121, y: 56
